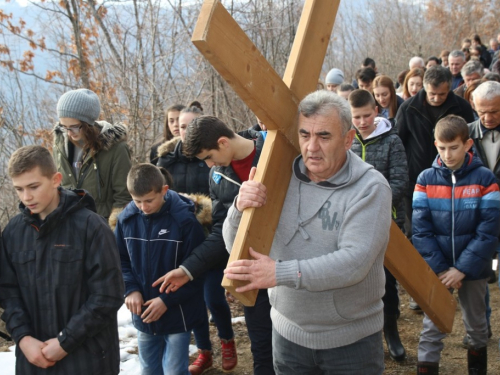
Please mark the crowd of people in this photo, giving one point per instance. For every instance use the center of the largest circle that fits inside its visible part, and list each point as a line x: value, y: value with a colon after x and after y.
x: 95, y: 232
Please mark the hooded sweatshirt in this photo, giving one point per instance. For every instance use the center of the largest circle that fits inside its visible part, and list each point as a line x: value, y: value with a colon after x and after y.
x: 385, y: 151
x: 329, y: 249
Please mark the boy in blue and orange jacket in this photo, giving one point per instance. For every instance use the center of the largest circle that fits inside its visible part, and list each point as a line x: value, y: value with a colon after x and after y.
x: 456, y: 220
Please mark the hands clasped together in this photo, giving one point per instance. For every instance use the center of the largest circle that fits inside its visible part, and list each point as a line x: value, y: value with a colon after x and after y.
x: 42, y: 354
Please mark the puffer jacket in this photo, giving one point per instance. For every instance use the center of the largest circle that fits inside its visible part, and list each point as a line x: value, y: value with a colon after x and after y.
x: 103, y: 175
x: 62, y: 278
x: 224, y: 187
x: 384, y: 150
x: 190, y: 175
x: 417, y: 131
x: 152, y: 245
x: 456, y: 217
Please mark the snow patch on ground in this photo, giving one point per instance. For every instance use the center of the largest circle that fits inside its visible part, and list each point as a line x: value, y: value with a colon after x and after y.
x: 128, y: 347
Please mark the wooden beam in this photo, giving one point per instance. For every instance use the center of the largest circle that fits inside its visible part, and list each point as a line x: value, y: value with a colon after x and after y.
x: 309, y: 46
x: 219, y: 38
x: 257, y: 226
x: 415, y: 275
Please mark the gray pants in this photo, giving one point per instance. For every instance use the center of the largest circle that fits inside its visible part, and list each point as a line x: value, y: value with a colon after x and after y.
x: 364, y: 357
x: 473, y: 307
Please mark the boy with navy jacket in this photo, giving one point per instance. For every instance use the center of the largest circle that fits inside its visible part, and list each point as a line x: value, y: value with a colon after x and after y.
x: 456, y: 219
x: 155, y: 233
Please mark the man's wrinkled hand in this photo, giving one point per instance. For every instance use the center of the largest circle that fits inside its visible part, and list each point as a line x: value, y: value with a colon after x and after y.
x: 260, y: 272
x: 251, y: 194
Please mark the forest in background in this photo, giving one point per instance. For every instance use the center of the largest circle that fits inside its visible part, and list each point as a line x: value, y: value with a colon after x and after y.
x: 138, y: 57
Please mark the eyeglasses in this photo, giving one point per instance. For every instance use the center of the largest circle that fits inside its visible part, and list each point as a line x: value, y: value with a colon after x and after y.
x: 75, y: 129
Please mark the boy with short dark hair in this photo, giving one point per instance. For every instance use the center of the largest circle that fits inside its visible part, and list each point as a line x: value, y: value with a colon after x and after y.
x: 231, y: 158
x: 60, y: 278
x: 365, y: 77
x: 155, y: 233
x: 378, y: 144
x: 456, y: 218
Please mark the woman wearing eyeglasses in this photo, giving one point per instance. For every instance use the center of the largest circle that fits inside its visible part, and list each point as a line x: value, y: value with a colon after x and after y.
x: 91, y: 155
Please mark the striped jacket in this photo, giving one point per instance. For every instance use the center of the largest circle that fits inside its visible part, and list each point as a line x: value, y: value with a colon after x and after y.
x: 456, y: 217
x: 152, y: 245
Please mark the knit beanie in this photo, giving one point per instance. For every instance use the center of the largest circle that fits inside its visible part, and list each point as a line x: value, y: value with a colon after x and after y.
x: 81, y: 104
x: 335, y: 77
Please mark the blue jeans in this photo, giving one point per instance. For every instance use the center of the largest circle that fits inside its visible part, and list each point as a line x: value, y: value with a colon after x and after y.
x: 364, y: 357
x: 215, y: 298
x: 164, y: 354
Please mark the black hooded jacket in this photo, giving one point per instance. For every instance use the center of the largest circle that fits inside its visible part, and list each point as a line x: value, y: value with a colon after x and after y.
x: 61, y: 278
x: 416, y: 130
x: 212, y: 252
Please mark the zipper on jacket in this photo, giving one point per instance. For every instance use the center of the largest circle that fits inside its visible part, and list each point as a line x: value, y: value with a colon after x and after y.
x: 150, y: 282
x: 453, y: 182
x: 98, y: 180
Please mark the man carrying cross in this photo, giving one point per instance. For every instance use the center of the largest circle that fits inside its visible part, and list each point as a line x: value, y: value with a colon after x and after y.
x: 326, y: 261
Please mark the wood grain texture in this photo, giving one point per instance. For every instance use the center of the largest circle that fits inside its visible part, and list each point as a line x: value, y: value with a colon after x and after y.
x: 257, y: 226
x: 415, y: 275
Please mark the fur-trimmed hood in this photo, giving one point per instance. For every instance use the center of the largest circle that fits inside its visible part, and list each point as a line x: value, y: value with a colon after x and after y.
x: 203, y: 208
x: 168, y: 146
x: 110, y: 134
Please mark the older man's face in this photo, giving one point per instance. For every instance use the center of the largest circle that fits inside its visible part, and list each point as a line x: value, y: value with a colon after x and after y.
x: 322, y: 145
x: 471, y: 78
x: 436, y: 95
x: 456, y: 64
x: 488, y: 111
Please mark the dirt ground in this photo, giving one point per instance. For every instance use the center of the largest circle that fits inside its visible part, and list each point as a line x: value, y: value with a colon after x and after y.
x: 454, y: 356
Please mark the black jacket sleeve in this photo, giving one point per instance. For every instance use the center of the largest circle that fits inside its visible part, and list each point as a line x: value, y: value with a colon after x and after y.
x: 16, y: 317
x: 212, y: 251
x: 105, y: 286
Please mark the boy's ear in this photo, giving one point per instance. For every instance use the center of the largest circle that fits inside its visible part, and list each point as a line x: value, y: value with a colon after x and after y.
x: 376, y: 108
x: 222, y: 141
x: 469, y: 143
x: 164, y: 189
x: 56, y: 179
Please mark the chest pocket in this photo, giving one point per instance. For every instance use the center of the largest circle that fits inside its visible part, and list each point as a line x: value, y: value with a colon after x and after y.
x: 67, y: 265
x: 24, y: 263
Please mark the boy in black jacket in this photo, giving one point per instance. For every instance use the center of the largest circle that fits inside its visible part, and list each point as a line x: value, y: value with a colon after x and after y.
x: 230, y: 156
x: 60, y: 278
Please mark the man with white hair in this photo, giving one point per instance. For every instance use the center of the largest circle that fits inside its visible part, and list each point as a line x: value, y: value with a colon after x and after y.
x: 456, y: 61
x: 485, y: 132
x: 327, y: 278
x: 471, y: 71
x: 416, y: 62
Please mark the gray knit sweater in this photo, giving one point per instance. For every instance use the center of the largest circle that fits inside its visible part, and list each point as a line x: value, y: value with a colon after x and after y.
x: 329, y: 246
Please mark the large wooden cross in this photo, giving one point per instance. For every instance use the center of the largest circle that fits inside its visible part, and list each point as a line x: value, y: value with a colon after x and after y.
x: 274, y: 101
